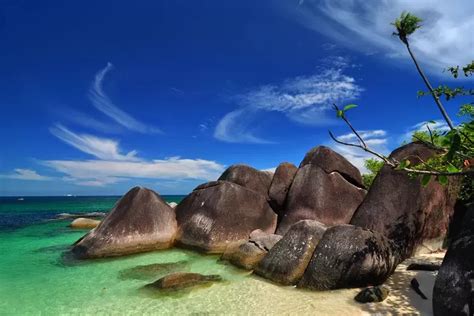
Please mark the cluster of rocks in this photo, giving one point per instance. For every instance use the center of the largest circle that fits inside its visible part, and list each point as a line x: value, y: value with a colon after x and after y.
x: 314, y: 226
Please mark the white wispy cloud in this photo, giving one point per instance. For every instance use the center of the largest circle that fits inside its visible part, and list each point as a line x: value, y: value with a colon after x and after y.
x: 377, y: 140
x: 303, y: 99
x: 238, y: 127
x: 365, y: 25
x: 104, y: 104
x: 25, y: 174
x: 102, y: 148
x: 103, y: 172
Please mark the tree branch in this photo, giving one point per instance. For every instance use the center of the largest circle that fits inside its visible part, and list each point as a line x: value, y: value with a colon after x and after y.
x: 366, y: 149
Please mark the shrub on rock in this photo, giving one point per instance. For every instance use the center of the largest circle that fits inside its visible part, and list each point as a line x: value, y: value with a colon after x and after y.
x: 140, y: 221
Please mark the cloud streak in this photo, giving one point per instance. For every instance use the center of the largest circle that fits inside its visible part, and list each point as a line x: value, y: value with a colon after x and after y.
x: 101, y: 148
x: 103, y: 172
x: 25, y: 174
x: 303, y: 99
x: 365, y: 25
x: 104, y: 104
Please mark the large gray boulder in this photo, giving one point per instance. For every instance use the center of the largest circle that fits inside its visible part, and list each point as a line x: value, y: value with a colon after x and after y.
x: 317, y: 194
x: 248, y: 177
x: 140, y: 221
x: 453, y: 292
x: 348, y: 256
x: 401, y: 208
x: 220, y: 213
x: 330, y: 161
x: 248, y: 254
x: 286, y: 262
x: 281, y: 183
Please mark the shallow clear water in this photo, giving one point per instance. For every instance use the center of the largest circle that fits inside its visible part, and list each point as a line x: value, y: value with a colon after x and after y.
x: 36, y: 277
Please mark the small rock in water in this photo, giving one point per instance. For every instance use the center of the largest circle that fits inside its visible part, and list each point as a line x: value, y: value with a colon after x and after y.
x: 372, y: 294
x: 154, y: 270
x: 181, y: 280
x: 83, y: 223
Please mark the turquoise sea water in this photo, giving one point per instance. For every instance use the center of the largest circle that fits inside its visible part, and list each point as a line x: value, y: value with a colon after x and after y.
x: 37, y: 276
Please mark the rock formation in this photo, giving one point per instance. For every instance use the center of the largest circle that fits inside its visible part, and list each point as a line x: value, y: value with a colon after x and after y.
x: 181, y: 280
x: 84, y: 223
x: 286, y: 262
x: 248, y: 254
x: 248, y: 177
x: 140, y: 221
x: 453, y: 292
x: 349, y: 256
x: 281, y: 183
x: 326, y: 188
x: 217, y: 214
x: 399, y: 207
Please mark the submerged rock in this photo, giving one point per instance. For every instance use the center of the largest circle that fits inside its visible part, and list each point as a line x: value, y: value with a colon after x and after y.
x: 402, y: 209
x: 248, y: 177
x: 82, y: 223
x: 286, y: 262
x: 453, y: 292
x: 218, y: 214
x: 250, y: 253
x: 348, y: 256
x: 181, y: 280
x: 373, y: 294
x: 140, y: 221
x: 281, y: 183
x: 154, y: 270
x: 317, y: 194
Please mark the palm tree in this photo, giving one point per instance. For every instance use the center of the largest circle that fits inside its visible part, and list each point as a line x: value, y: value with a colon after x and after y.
x: 406, y: 25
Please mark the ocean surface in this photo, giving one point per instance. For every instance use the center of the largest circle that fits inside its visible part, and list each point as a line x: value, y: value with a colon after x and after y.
x: 38, y: 276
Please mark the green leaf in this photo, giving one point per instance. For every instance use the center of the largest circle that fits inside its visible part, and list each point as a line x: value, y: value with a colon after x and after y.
x: 404, y: 164
x: 452, y: 168
x: 340, y: 113
x: 443, y: 180
x: 349, y: 106
x: 425, y: 179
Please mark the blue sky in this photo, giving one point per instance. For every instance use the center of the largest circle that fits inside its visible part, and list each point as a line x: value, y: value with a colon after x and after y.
x: 99, y: 96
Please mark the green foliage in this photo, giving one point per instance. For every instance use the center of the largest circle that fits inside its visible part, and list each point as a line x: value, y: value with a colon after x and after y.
x: 454, y: 148
x: 374, y: 166
x: 341, y: 113
x: 406, y: 25
x: 468, y: 70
